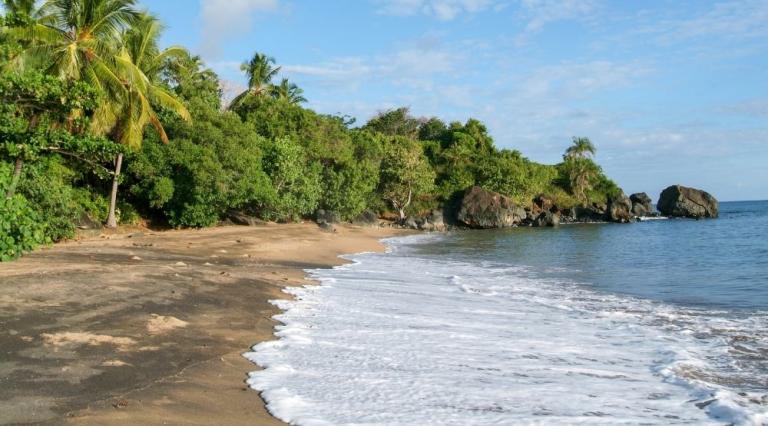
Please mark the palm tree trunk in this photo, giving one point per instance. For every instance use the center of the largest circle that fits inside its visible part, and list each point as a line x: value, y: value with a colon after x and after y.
x: 111, y: 219
x: 15, y: 178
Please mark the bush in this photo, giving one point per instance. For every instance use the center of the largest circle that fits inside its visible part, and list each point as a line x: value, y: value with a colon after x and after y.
x: 20, y: 228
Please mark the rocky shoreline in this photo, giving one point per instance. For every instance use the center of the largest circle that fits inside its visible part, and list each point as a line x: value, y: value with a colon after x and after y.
x: 483, y: 209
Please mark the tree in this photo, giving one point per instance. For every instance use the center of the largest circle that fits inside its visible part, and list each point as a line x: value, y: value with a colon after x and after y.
x: 138, y: 63
x: 405, y: 173
x: 581, y: 148
x: 260, y: 71
x: 395, y: 122
x: 289, y: 92
x: 37, y: 116
x: 580, y: 168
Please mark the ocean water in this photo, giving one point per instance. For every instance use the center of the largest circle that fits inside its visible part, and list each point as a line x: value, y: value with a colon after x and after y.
x: 659, y: 322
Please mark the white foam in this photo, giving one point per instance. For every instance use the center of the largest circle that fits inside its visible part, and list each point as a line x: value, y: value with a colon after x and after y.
x: 396, y: 339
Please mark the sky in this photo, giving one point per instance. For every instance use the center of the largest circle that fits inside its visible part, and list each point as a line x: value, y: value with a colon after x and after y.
x: 669, y: 91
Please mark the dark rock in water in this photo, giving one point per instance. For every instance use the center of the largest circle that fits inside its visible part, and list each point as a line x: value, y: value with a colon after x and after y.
x: 367, y: 218
x: 619, y: 209
x: 547, y: 218
x: 485, y: 210
x: 588, y: 214
x: 680, y: 201
x: 641, y: 204
x: 238, y: 217
x: 326, y: 216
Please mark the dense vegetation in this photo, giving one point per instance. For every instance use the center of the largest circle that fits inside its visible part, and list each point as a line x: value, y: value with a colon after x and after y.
x: 85, y: 89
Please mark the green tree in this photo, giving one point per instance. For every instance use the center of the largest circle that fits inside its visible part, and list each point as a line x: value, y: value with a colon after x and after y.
x: 295, y: 179
x: 581, y: 148
x: 395, y: 122
x: 260, y: 71
x: 139, y: 63
x: 42, y: 114
x: 289, y: 92
x: 405, y: 173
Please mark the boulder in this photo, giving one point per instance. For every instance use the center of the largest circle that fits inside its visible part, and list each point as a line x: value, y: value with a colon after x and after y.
x: 486, y: 209
x: 641, y: 204
x: 588, y: 214
x: 680, y: 201
x: 433, y: 222
x: 619, y: 209
x: 238, y: 217
x: 367, y: 218
x: 323, y: 217
x: 544, y: 204
x: 410, y: 223
x: 547, y: 218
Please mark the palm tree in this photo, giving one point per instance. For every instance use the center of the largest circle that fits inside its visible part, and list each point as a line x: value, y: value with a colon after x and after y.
x: 581, y: 148
x: 288, y: 91
x: 260, y: 71
x: 139, y: 64
x: 113, y: 47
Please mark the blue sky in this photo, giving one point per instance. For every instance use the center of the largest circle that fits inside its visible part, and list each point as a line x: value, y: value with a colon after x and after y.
x: 669, y: 91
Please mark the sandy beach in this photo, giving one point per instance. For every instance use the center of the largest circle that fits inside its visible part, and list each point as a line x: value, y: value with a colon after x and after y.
x: 149, y: 327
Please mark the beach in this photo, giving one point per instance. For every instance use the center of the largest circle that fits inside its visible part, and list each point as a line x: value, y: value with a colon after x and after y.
x: 145, y: 327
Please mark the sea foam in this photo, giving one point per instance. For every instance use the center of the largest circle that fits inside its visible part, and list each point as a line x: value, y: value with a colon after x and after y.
x: 399, y: 339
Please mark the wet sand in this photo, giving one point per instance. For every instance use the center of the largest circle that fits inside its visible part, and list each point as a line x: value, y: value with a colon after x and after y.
x: 149, y: 328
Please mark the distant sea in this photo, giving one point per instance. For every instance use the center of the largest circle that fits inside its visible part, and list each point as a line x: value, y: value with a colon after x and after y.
x: 659, y: 322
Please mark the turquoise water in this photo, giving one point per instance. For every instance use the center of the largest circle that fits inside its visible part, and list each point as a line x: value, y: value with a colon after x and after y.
x: 657, y: 323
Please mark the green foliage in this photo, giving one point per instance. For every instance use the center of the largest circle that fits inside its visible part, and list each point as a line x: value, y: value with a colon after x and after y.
x: 20, y: 228
x: 295, y: 180
x: 511, y: 174
x: 209, y: 167
x: 396, y: 122
x: 405, y: 173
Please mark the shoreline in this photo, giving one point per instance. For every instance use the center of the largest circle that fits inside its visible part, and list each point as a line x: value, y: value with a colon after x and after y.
x: 150, y: 327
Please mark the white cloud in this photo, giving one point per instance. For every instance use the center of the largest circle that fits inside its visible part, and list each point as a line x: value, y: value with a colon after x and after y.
x: 542, y: 12
x: 442, y: 9
x: 224, y: 19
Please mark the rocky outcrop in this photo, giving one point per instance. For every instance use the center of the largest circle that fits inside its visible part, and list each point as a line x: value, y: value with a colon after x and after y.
x: 367, y: 218
x: 641, y: 204
x: 546, y: 219
x: 323, y: 217
x: 619, y: 209
x: 680, y: 201
x: 483, y: 209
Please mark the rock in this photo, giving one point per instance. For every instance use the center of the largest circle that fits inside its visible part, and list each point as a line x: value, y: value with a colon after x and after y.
x: 547, y: 218
x: 367, y: 218
x: 328, y: 227
x: 86, y: 222
x: 619, y: 209
x: 588, y: 214
x: 434, y: 222
x: 485, y: 210
x: 327, y: 217
x: 411, y: 223
x: 544, y: 204
x: 238, y: 217
x: 680, y: 201
x: 641, y: 204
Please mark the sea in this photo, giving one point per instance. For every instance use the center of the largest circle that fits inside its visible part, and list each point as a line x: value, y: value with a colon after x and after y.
x: 661, y: 322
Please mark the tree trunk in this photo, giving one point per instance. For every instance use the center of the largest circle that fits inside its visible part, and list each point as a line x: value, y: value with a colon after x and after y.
x: 402, y: 214
x: 15, y: 178
x: 111, y: 219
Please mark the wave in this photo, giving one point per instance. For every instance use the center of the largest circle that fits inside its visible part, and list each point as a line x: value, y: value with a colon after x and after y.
x: 401, y: 338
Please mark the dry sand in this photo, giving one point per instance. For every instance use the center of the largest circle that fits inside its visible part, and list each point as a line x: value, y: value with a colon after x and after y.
x: 149, y: 328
